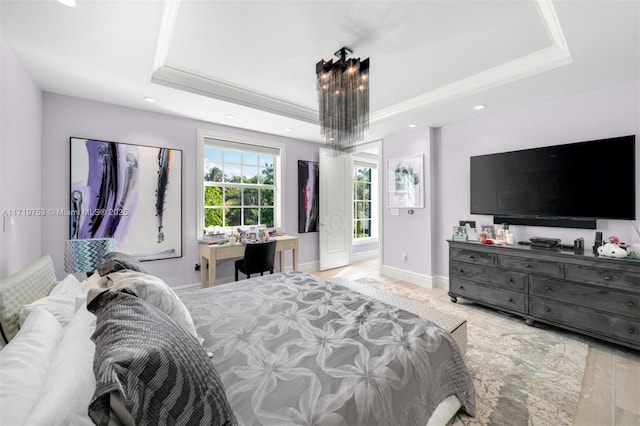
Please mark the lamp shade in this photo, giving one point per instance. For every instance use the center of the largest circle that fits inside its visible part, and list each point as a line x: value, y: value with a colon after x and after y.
x: 84, y: 255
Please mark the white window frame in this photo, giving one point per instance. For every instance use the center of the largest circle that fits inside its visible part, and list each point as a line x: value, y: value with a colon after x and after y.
x: 240, y: 142
x: 375, y: 215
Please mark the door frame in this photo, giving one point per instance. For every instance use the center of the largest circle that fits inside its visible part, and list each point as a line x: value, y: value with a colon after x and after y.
x: 377, y: 145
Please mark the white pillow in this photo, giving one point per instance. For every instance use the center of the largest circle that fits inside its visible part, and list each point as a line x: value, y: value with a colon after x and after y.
x: 93, y: 281
x: 156, y: 292
x: 24, y: 363
x: 67, y: 389
x: 61, y: 301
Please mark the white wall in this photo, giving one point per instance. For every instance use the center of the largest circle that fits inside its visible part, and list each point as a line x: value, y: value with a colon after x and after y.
x: 410, y: 233
x: 64, y: 117
x: 614, y: 111
x: 20, y: 159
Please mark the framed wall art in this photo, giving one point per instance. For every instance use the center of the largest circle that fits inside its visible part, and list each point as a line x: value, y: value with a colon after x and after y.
x: 132, y: 193
x: 405, y: 182
x: 308, y: 196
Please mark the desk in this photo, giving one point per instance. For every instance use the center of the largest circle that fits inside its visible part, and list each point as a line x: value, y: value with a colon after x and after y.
x: 210, y: 253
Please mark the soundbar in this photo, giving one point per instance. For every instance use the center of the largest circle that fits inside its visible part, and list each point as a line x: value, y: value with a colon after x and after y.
x: 543, y: 242
x: 563, y: 222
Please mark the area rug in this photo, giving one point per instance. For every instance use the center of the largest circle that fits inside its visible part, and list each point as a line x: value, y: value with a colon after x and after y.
x: 523, y: 375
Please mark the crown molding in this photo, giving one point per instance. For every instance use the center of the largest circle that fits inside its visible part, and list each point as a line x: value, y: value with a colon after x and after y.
x: 534, y: 63
x: 537, y: 62
x: 189, y: 82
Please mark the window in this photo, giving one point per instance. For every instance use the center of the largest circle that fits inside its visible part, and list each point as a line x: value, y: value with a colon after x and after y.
x: 240, y: 182
x: 364, y: 207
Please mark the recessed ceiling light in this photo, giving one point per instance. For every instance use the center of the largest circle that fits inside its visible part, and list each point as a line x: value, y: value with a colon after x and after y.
x: 70, y: 3
x: 148, y: 99
x: 288, y: 129
x: 412, y: 125
x: 481, y: 106
x: 231, y: 117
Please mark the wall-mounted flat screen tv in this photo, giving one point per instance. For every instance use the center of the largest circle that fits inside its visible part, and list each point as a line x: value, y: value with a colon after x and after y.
x: 593, y: 180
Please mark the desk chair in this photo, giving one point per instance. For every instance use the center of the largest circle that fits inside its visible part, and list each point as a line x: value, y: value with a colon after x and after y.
x: 258, y: 257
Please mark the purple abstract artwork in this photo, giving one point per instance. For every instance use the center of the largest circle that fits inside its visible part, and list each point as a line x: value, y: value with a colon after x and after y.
x: 308, y: 192
x: 131, y: 193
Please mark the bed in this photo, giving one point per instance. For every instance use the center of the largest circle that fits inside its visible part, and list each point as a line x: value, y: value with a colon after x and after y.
x: 283, y: 349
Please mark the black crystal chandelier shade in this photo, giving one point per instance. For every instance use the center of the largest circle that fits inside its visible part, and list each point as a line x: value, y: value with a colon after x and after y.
x: 343, y: 98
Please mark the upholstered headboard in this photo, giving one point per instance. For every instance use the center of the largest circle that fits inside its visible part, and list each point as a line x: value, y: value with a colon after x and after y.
x: 25, y: 286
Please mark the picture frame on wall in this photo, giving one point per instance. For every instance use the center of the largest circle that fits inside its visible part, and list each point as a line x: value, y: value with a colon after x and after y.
x: 308, y: 196
x: 131, y: 193
x: 405, y: 182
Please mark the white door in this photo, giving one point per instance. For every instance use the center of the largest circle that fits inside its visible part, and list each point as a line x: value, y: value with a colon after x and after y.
x: 335, y: 209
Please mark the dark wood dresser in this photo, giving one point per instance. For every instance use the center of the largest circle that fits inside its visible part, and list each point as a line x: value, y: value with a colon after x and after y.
x: 592, y: 295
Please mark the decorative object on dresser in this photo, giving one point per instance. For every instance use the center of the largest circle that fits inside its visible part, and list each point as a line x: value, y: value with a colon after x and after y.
x: 459, y: 233
x: 489, y: 230
x: 591, y: 295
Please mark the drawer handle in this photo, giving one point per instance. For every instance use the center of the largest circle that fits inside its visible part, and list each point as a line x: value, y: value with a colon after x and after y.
x: 630, y: 304
x: 511, y: 300
x: 461, y: 270
x: 510, y: 280
x: 632, y: 330
x: 607, y: 277
x: 547, y: 309
x: 461, y: 287
x: 546, y: 287
x: 528, y: 266
x: 471, y: 256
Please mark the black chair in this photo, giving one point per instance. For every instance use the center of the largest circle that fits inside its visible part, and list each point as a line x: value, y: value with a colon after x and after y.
x: 258, y: 257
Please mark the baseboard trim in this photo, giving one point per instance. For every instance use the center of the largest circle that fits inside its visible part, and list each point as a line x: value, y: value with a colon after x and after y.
x: 440, y: 281
x: 410, y: 277
x: 364, y: 255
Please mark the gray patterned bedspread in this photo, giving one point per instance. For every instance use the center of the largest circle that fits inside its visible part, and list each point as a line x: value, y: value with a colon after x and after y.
x: 293, y: 349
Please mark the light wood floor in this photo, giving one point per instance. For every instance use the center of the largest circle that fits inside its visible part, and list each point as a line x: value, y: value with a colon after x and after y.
x: 610, y: 392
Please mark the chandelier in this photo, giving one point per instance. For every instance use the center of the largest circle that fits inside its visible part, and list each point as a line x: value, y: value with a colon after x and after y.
x: 343, y: 97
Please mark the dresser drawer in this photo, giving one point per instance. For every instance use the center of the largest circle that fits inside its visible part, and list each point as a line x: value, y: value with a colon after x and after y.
x: 508, y: 279
x: 603, y: 276
x: 532, y: 266
x: 511, y: 300
x: 609, y: 327
x: 472, y: 256
x: 598, y: 297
